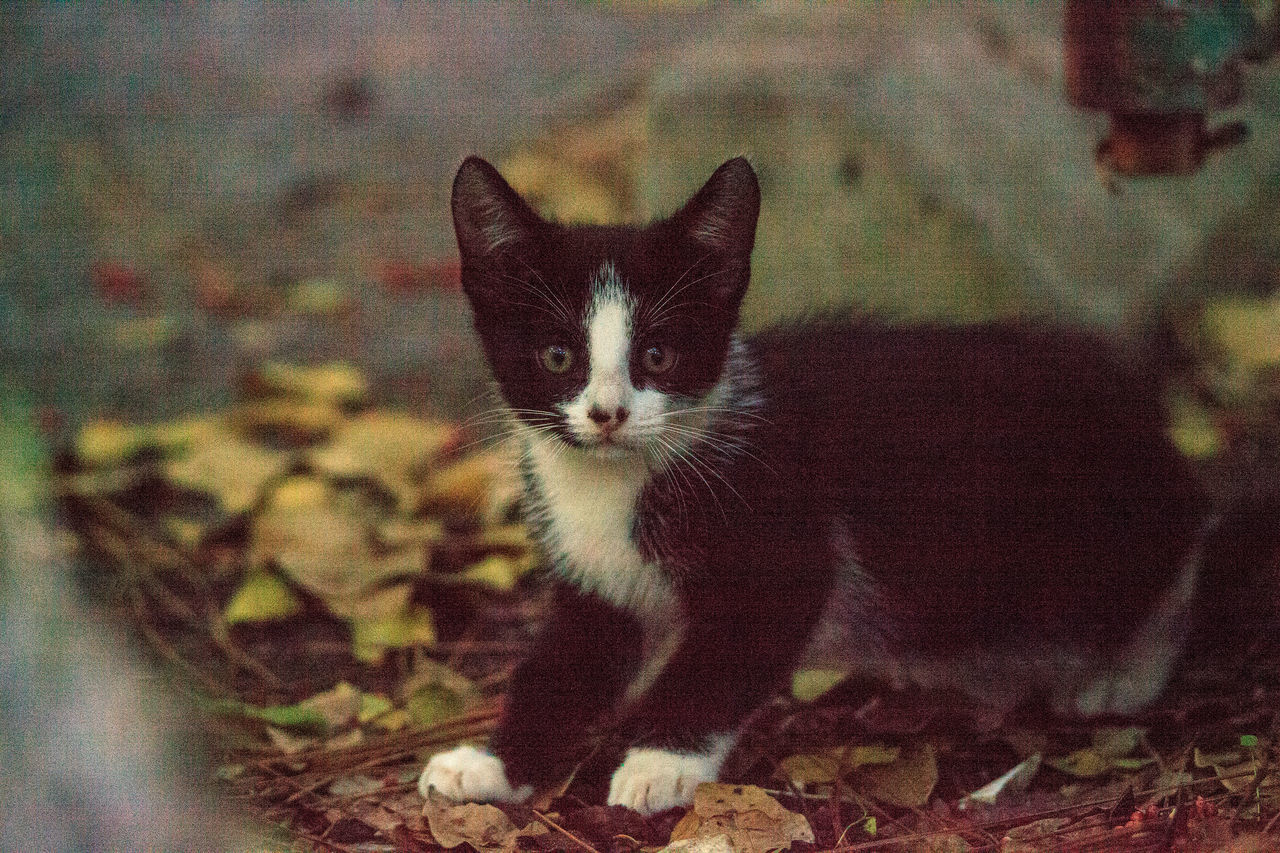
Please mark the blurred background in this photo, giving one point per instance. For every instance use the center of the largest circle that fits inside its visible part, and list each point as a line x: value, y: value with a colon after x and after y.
x: 190, y: 191
x: 188, y: 188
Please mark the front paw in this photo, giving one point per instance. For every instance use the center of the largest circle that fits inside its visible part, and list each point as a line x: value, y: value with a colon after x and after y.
x: 469, y: 774
x: 654, y: 780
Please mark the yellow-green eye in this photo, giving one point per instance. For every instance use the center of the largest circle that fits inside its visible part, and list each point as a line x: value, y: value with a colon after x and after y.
x: 556, y: 358
x: 658, y: 358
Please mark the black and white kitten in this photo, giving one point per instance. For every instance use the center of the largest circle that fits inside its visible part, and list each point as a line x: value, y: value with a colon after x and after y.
x: 992, y: 508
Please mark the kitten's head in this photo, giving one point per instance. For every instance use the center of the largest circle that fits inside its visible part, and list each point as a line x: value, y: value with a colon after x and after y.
x: 607, y: 338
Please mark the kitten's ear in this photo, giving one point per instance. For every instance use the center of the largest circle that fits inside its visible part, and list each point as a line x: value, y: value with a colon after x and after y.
x: 722, y: 215
x: 488, y: 216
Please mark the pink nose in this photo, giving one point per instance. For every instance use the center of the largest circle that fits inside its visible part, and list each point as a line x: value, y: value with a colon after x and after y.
x: 608, y: 422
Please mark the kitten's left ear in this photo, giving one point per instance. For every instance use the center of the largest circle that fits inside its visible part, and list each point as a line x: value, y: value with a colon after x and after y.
x: 722, y: 215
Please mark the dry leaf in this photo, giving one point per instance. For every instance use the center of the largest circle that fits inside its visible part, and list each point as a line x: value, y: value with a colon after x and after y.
x: 296, y: 421
x: 483, y: 826
x: 473, y: 485
x: 753, y: 821
x: 908, y: 781
x: 819, y: 768
x: 372, y: 638
x: 325, y: 541
x: 396, y: 450
x: 262, y: 597
x: 1246, y: 329
x: 229, y: 468
x: 336, y: 383
x: 106, y: 443
x: 809, y: 684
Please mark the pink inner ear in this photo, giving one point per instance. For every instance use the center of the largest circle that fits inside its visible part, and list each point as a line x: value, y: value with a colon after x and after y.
x: 488, y: 214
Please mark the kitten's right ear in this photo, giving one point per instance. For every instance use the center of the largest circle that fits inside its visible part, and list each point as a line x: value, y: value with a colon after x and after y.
x: 488, y: 216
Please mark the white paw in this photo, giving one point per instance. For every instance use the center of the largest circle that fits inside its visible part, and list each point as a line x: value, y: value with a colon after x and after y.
x: 470, y: 775
x: 653, y: 780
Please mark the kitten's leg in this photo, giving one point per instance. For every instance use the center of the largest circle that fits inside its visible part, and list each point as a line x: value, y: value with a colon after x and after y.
x: 731, y: 659
x: 582, y: 661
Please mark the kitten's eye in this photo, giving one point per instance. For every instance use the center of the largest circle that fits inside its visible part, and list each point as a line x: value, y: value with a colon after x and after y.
x: 556, y: 358
x: 658, y: 359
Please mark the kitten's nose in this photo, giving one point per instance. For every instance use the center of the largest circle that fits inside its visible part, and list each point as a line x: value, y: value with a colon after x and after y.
x: 605, y: 419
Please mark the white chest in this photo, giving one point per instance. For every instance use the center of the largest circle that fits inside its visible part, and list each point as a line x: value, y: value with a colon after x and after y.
x: 590, y: 504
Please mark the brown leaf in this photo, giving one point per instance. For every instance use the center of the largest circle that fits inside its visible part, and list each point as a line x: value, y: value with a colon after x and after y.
x: 909, y: 781
x: 483, y: 826
x: 325, y: 541
x: 753, y: 821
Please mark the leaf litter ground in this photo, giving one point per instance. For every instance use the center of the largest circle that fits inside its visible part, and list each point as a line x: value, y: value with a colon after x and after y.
x: 344, y: 589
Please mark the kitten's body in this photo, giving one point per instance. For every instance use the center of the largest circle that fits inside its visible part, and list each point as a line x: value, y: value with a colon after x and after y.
x: 993, y: 508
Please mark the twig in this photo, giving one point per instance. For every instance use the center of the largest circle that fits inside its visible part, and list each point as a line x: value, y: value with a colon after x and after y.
x: 560, y: 829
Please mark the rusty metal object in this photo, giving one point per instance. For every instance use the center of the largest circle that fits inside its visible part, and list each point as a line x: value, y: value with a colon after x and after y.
x: 1157, y: 68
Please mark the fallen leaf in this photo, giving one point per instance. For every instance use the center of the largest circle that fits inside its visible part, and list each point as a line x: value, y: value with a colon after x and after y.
x: 396, y: 450
x: 1086, y: 762
x: 809, y: 684
x: 753, y: 821
x: 483, y: 826
x: 371, y: 638
x: 261, y: 597
x: 108, y: 443
x: 319, y: 296
x: 818, y: 768
x: 1247, y: 329
x: 469, y: 486
x: 1193, y: 430
x: 297, y: 422
x: 339, y: 706
x: 497, y: 572
x: 324, y: 540
x: 232, y: 470
x: 336, y: 383
x: 908, y: 781
x: 710, y: 844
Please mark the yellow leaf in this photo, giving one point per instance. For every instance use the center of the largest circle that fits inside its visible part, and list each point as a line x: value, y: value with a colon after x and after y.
x: 371, y: 638
x: 809, y: 684
x: 753, y: 821
x: 336, y: 383
x: 230, y: 469
x: 262, y: 597
x: 396, y: 450
x: 325, y: 540
x: 373, y: 706
x: 1246, y: 329
x: 495, y: 571
x: 106, y: 443
x: 812, y: 768
x: 324, y: 296
x: 296, y: 421
x: 1193, y: 430
x: 1085, y: 762
x: 908, y: 781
